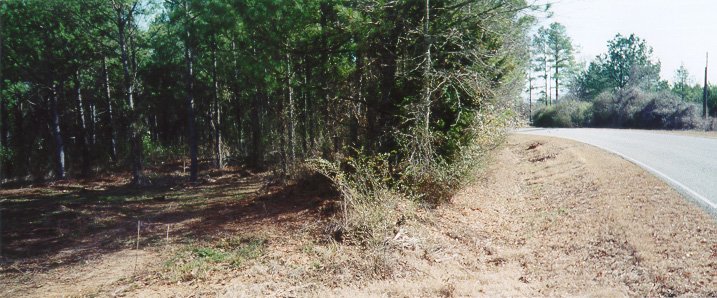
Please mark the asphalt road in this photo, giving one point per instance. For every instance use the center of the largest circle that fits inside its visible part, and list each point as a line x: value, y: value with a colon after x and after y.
x: 687, y: 163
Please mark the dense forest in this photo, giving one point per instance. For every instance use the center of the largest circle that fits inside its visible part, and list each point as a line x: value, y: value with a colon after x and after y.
x: 620, y: 88
x: 97, y: 86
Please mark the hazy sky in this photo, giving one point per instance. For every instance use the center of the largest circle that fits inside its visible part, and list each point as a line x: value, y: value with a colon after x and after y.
x: 678, y: 30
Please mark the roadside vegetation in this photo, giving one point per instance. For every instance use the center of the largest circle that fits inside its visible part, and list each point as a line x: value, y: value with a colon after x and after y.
x: 126, y: 117
x: 619, y: 89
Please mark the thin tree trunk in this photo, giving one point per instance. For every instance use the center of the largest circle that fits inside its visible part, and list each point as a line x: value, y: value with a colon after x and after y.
x: 546, y: 74
x: 191, y: 122
x: 237, y: 99
x: 129, y: 87
x: 135, y: 133
x: 307, y: 109
x: 557, y: 83
x: 93, y: 122
x: 424, y: 141
x: 4, y: 131
x: 216, y: 117
x: 155, y: 126
x: 111, y: 124
x: 358, y: 76
x: 292, y: 117
x: 56, y: 133
x: 257, y: 154
x: 282, y: 134
x: 325, y: 76
x: 530, y: 99
x: 19, y: 166
x: 81, y: 119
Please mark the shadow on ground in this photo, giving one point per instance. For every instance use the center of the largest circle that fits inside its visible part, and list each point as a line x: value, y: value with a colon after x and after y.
x: 63, y: 223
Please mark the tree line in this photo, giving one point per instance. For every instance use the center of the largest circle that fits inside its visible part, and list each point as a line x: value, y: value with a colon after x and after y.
x: 620, y: 88
x: 110, y: 85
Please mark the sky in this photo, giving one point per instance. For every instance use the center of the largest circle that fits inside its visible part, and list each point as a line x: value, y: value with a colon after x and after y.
x: 679, y: 31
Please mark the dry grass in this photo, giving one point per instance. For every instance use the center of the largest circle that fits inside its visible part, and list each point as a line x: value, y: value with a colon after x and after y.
x: 580, y: 223
x: 549, y: 217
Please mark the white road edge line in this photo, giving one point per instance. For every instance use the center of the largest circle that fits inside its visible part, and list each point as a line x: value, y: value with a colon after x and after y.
x: 669, y: 180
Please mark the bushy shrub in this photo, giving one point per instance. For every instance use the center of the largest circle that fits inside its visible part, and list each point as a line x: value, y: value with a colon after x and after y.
x: 566, y: 113
x: 155, y: 152
x: 668, y: 112
x: 380, y: 190
x: 627, y: 108
x: 618, y: 109
x: 370, y: 206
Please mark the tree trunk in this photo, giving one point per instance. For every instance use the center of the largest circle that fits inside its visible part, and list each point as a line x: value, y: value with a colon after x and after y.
x: 281, y: 111
x: 81, y: 119
x: 325, y: 7
x: 192, y: 133
x: 557, y: 74
x: 257, y: 148
x: 237, y: 100
x: 4, y: 131
x: 257, y: 152
x: 93, y: 122
x: 530, y: 99
x: 557, y: 84
x: 382, y: 137
x: 216, y: 117
x: 546, y: 71
x: 358, y: 96
x: 309, y: 135
x: 19, y: 166
x: 56, y: 133
x: 424, y: 140
x: 134, y: 122
x: 292, y: 117
x: 111, y: 121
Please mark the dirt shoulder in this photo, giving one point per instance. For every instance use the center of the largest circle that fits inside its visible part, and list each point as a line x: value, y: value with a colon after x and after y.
x: 553, y: 217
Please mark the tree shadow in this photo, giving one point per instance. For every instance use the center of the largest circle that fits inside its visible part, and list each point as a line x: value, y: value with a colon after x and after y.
x: 47, y: 227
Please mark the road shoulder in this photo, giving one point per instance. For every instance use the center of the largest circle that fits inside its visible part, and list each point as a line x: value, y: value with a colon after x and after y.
x: 554, y: 217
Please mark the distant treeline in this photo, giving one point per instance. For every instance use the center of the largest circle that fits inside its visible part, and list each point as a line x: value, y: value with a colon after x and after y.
x: 623, y: 88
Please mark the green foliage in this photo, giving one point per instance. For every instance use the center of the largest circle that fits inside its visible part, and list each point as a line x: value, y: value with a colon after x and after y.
x: 625, y: 90
x: 197, y: 262
x: 553, y: 57
x: 628, y: 62
x: 6, y: 154
x: 157, y: 152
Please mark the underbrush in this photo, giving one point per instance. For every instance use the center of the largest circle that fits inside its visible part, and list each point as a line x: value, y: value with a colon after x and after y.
x: 627, y: 108
x: 155, y: 152
x: 370, y: 204
x: 567, y: 113
x: 382, y: 192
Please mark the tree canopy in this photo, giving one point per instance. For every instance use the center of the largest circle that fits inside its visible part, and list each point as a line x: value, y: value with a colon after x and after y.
x: 265, y: 84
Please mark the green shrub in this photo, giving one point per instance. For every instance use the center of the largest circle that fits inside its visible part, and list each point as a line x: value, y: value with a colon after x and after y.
x: 156, y: 152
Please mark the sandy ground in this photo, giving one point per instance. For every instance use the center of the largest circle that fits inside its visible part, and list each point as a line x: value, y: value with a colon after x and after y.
x: 547, y: 217
x: 552, y: 217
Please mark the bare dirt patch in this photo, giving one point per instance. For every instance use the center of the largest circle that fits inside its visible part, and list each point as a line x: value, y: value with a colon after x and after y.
x: 79, y: 238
